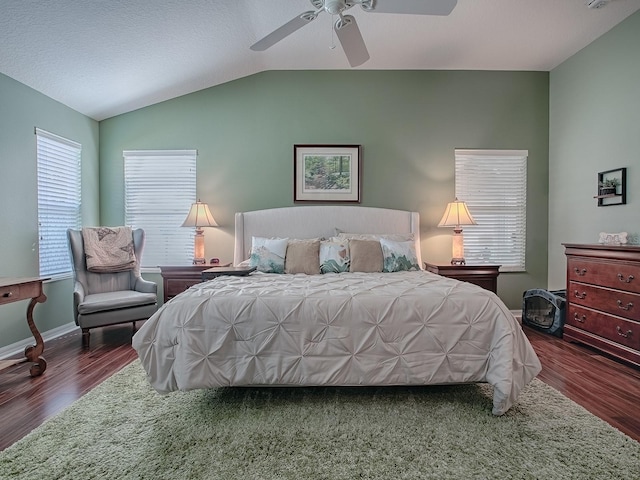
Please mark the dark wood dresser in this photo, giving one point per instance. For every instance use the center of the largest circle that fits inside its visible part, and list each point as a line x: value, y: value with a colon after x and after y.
x: 603, y: 296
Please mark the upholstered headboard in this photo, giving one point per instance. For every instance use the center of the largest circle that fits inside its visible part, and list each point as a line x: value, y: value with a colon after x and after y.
x: 321, y: 221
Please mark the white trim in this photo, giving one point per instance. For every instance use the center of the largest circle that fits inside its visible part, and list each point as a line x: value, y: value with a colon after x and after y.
x: 496, y: 153
x: 57, y: 138
x: 59, y: 276
x: 18, y: 347
x: 157, y: 153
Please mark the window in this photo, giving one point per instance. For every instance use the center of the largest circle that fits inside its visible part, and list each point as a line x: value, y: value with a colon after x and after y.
x: 59, y: 199
x: 159, y: 188
x: 493, y: 183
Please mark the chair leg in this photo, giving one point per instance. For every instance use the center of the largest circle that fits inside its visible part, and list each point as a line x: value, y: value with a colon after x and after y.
x: 85, y: 338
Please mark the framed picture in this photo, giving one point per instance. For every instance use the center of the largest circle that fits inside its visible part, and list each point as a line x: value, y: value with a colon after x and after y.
x: 612, y: 187
x: 327, y: 173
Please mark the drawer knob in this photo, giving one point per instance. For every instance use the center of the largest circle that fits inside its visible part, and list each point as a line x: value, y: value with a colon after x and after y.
x: 626, y: 307
x: 7, y: 294
x: 625, y: 280
x: 577, y: 294
x: 623, y: 334
x: 579, y: 318
x: 580, y: 272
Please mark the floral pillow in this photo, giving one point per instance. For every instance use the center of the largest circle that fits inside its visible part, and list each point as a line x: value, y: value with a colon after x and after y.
x: 334, y: 257
x: 398, y: 256
x: 268, y: 254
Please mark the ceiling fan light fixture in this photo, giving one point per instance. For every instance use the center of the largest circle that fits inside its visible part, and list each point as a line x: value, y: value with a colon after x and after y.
x: 596, y: 3
x: 335, y: 7
x: 347, y: 28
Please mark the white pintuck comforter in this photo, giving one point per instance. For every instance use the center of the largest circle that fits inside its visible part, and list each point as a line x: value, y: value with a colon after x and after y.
x: 336, y: 329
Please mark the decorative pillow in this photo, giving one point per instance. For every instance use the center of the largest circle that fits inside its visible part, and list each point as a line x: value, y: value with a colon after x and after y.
x: 396, y: 237
x: 267, y: 254
x: 334, y: 257
x: 366, y: 256
x: 399, y: 256
x: 303, y: 257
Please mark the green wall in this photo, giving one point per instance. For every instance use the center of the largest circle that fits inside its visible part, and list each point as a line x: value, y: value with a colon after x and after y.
x: 21, y: 110
x: 408, y: 122
x: 594, y: 127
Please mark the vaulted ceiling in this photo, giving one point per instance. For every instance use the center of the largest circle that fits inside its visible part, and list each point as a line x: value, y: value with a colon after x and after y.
x: 103, y: 58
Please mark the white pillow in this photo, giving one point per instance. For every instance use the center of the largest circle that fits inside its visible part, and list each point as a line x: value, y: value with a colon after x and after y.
x: 334, y: 257
x: 396, y: 237
x: 268, y: 254
x: 399, y: 256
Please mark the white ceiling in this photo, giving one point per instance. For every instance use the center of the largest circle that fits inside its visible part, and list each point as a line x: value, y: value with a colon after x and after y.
x: 106, y: 57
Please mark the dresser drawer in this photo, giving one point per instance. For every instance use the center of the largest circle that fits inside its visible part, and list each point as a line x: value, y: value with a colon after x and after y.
x: 613, y: 274
x: 174, y: 286
x: 9, y: 294
x: 617, y: 329
x: 611, y: 301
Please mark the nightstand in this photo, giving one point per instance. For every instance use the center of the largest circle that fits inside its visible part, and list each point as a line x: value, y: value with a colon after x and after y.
x: 214, y: 272
x: 485, y: 276
x: 176, y: 280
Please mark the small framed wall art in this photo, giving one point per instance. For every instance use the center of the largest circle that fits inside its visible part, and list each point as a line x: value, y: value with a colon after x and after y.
x: 327, y: 173
x: 612, y: 187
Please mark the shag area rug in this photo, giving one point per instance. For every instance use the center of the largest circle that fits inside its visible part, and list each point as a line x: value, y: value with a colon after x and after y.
x: 123, y: 429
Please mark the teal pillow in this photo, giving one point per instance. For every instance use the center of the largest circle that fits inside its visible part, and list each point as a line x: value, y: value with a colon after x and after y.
x: 398, y: 256
x: 334, y: 257
x: 268, y: 254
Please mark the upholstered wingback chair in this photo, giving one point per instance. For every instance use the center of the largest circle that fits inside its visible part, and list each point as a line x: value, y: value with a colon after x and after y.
x: 101, y: 299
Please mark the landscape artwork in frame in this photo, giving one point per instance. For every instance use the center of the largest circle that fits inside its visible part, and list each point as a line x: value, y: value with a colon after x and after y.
x: 327, y: 173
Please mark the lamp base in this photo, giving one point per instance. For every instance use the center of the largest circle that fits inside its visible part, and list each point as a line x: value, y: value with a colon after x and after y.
x: 457, y: 251
x: 198, y: 249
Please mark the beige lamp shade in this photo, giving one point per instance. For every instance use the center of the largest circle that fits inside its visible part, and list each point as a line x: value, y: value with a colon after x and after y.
x: 455, y: 215
x: 199, y: 216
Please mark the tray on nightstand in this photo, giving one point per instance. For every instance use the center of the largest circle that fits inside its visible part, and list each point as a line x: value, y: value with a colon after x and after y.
x: 214, y: 272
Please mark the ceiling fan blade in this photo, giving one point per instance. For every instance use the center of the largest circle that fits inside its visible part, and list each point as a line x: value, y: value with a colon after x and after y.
x: 413, y: 7
x: 351, y: 39
x: 284, y: 31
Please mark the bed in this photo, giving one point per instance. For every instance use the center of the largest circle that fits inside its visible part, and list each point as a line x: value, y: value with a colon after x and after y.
x: 339, y: 329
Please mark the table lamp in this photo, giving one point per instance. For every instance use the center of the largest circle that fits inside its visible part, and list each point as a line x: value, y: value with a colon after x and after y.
x: 199, y: 216
x: 455, y: 215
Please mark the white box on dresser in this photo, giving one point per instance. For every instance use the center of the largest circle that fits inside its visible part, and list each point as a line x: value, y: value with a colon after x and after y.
x: 603, y: 295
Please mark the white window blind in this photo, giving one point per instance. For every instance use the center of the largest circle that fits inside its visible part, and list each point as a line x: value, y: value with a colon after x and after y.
x: 493, y: 183
x: 160, y: 186
x: 59, y: 199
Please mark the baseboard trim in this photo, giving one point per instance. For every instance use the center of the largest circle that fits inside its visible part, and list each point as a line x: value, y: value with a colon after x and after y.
x: 517, y: 314
x: 18, y: 347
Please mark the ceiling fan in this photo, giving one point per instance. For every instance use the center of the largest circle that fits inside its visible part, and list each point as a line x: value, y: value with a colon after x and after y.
x: 346, y: 27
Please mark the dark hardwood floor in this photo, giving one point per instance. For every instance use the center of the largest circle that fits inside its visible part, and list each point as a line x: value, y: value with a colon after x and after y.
x: 72, y: 371
x: 605, y: 387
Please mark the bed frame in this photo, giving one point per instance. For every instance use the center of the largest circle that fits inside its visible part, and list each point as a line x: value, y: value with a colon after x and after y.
x: 321, y: 221
x: 400, y: 328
